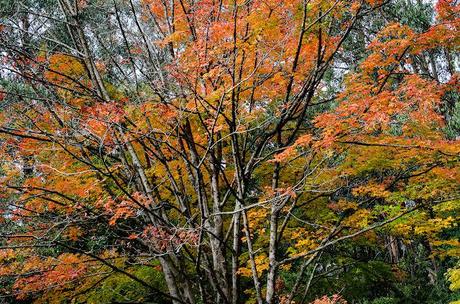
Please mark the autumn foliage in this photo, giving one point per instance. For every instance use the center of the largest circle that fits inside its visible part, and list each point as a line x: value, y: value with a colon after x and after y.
x: 227, y: 151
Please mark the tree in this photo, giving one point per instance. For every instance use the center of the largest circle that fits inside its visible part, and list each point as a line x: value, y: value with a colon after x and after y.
x: 232, y: 145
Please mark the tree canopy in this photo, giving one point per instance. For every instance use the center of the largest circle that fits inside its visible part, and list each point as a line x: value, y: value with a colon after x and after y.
x: 231, y: 151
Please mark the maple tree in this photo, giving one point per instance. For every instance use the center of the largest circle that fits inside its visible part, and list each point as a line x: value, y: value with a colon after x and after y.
x: 225, y: 151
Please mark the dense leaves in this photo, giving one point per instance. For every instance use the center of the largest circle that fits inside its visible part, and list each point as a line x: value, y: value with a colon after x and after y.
x: 295, y: 151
